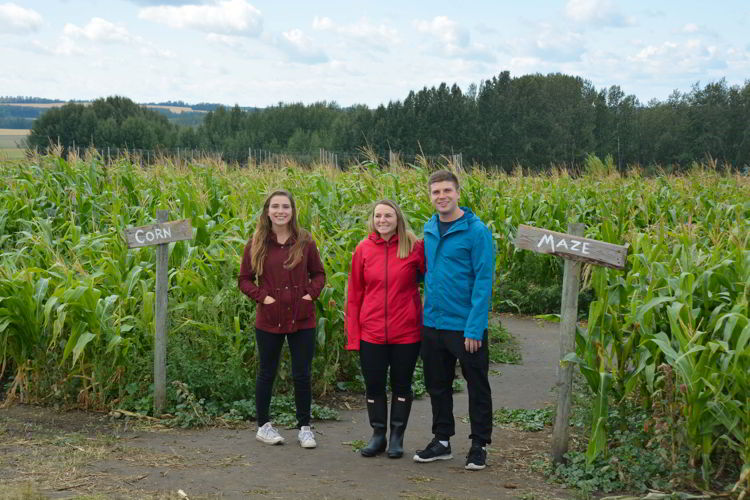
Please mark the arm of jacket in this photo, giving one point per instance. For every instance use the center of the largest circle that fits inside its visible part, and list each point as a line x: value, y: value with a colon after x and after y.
x: 246, y: 278
x: 483, y: 264
x: 354, y: 297
x: 316, y: 272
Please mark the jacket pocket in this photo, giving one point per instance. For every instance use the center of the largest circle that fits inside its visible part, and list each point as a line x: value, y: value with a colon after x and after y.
x: 305, y: 309
x: 269, y: 314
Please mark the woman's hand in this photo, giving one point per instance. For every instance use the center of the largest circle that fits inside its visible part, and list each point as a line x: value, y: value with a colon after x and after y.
x: 269, y: 300
x: 307, y: 297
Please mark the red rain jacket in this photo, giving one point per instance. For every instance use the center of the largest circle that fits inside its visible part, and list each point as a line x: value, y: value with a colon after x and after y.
x: 383, y: 304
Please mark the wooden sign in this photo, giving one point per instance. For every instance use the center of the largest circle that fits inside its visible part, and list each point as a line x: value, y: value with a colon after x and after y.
x: 574, y: 248
x: 156, y: 234
x: 571, y: 247
x: 160, y: 234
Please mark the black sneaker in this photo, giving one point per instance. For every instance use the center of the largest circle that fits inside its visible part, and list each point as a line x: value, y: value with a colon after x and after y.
x: 434, y: 451
x: 477, y: 458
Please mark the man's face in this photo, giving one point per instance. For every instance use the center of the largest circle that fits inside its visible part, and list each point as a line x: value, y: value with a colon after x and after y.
x: 444, y: 197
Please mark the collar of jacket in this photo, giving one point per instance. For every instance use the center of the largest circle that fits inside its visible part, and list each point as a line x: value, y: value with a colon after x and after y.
x: 462, y: 224
x: 375, y: 237
x: 273, y: 241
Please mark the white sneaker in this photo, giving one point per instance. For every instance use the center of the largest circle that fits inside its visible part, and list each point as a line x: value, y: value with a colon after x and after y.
x: 306, y: 437
x: 267, y: 434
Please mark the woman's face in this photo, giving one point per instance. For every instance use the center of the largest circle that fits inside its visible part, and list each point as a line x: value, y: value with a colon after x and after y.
x: 280, y: 210
x: 385, y: 221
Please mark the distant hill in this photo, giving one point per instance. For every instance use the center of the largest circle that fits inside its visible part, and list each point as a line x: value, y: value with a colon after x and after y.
x: 18, y: 112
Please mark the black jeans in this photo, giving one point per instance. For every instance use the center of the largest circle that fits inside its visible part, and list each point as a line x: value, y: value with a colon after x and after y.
x: 375, y: 360
x: 302, y: 349
x: 440, y: 350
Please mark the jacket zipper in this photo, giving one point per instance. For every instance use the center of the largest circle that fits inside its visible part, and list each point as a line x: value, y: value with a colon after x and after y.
x: 387, y: 245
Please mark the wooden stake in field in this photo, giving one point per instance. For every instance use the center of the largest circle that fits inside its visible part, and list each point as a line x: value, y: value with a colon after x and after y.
x: 574, y: 248
x: 161, y: 235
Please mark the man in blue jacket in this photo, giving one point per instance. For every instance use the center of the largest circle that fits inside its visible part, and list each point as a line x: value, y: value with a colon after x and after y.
x: 458, y: 288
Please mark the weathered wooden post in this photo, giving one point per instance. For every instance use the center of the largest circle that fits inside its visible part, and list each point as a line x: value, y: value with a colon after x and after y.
x: 574, y: 248
x: 160, y: 234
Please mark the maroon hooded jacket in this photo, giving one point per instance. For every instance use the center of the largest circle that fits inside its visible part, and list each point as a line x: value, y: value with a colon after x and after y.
x: 383, y: 304
x: 290, y: 312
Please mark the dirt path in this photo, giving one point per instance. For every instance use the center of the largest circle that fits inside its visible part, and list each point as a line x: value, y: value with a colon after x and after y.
x: 120, y: 461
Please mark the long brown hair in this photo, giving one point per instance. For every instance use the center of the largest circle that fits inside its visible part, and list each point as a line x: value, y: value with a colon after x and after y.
x: 263, y: 230
x: 406, y: 237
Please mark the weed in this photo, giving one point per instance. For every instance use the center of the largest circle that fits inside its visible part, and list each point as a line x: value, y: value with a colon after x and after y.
x: 503, y: 346
x: 526, y: 420
x: 356, y: 444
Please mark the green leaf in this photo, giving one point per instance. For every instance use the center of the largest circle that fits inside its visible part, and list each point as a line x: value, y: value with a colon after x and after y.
x: 83, y: 341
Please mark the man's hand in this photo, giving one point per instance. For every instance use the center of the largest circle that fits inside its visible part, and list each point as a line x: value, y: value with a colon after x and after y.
x: 269, y: 300
x: 307, y: 297
x: 472, y: 345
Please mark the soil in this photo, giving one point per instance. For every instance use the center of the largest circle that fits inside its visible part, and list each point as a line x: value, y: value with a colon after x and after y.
x: 73, y: 454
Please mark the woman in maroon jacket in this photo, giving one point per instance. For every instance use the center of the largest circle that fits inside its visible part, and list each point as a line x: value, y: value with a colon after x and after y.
x: 281, y: 271
x: 384, y: 320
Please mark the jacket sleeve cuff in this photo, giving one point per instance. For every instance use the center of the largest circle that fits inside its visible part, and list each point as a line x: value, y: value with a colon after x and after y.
x: 353, y: 345
x: 474, y: 335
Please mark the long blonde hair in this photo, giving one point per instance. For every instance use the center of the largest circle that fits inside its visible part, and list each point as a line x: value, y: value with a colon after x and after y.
x: 406, y: 237
x: 259, y: 238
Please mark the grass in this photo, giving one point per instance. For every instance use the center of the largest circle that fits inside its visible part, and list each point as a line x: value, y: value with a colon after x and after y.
x: 10, y: 140
x: 504, y: 347
x: 11, y: 154
x: 533, y: 420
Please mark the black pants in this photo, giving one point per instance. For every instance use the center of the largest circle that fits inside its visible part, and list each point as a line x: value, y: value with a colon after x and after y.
x: 440, y: 350
x: 302, y: 349
x: 375, y: 360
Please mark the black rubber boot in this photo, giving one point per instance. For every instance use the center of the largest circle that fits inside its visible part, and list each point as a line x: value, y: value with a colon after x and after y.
x: 400, y: 409
x: 377, y: 410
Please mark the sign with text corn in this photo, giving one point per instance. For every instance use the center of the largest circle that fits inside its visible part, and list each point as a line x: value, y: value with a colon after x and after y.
x: 156, y: 234
x: 161, y: 235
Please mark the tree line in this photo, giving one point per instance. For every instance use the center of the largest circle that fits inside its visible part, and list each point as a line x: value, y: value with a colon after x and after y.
x: 532, y: 120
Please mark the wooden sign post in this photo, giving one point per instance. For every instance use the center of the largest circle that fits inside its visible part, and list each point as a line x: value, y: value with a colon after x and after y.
x: 160, y: 234
x: 574, y: 248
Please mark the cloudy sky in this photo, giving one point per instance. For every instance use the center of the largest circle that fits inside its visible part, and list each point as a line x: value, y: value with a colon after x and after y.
x: 262, y: 52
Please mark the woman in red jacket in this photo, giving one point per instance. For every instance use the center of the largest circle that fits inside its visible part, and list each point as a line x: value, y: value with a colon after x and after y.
x: 281, y: 271
x: 384, y: 320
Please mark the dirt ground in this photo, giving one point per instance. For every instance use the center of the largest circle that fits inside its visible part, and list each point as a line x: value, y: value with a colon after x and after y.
x: 74, y: 454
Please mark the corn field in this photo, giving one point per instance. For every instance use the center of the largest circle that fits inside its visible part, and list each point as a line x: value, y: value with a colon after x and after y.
x: 76, y: 305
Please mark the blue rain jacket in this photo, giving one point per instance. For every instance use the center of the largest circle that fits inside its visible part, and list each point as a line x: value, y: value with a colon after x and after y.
x: 460, y: 270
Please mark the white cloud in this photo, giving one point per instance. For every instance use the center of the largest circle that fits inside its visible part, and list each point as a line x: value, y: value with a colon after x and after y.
x: 225, y: 40
x: 690, y: 28
x: 598, y: 12
x: 229, y: 17
x: 379, y: 35
x: 454, y: 40
x: 98, y: 30
x: 558, y: 46
x: 670, y: 58
x: 16, y: 19
x: 64, y: 47
x: 301, y: 48
x: 446, y: 30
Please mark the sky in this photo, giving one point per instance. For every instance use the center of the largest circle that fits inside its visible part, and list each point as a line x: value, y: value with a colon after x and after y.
x: 263, y: 52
